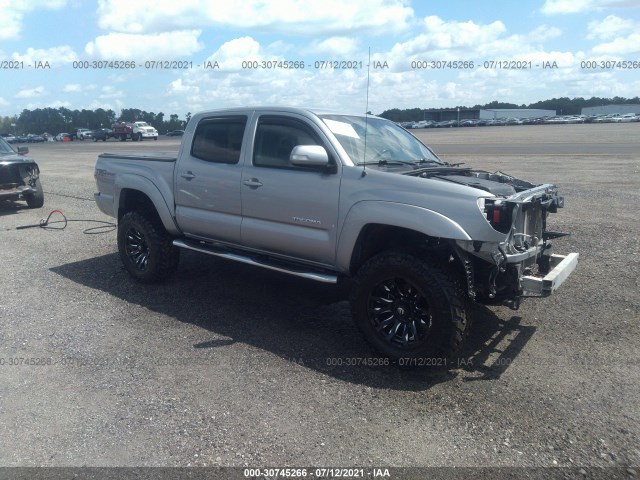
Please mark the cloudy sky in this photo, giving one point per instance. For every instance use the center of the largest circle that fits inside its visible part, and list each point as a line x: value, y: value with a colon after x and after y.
x: 63, y: 53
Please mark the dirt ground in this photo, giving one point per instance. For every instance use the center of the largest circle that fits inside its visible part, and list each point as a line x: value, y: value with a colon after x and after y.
x: 227, y: 365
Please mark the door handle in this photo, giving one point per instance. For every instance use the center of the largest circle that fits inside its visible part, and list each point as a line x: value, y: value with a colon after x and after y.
x: 253, y: 183
x: 188, y: 176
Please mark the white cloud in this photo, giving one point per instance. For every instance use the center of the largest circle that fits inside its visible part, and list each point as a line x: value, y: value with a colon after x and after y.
x: 13, y: 12
x: 78, y: 88
x: 3, y: 102
x: 544, y: 32
x: 72, y: 88
x: 231, y: 54
x: 335, y: 46
x: 611, y: 27
x: 444, y: 40
x: 285, y: 16
x: 555, y: 7
x: 55, y: 55
x: 31, y: 92
x: 48, y: 104
x: 179, y: 88
x: 109, y: 91
x: 469, y: 41
x: 161, y: 46
x: 620, y: 46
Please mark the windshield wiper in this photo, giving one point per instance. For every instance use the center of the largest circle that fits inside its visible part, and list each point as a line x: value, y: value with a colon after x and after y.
x: 415, y: 163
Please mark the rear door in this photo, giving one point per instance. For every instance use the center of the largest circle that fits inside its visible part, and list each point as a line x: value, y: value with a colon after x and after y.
x: 287, y: 209
x: 207, y: 183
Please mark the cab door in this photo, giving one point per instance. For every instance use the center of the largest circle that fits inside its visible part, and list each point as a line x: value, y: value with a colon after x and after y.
x: 207, y: 180
x: 287, y: 209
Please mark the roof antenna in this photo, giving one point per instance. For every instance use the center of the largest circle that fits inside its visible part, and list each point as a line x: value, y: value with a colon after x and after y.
x: 366, y: 119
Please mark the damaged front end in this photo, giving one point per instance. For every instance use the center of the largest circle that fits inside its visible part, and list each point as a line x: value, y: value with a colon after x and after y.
x: 523, y: 264
x: 18, y: 180
x: 19, y: 177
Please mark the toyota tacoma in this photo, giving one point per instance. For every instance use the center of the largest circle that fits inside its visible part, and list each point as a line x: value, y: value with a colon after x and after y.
x: 329, y: 196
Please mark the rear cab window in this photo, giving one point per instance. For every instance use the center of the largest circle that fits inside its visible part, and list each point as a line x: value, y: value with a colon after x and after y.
x: 219, y: 139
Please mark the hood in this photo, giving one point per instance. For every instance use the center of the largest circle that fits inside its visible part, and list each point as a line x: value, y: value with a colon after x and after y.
x: 10, y: 158
x: 498, y: 183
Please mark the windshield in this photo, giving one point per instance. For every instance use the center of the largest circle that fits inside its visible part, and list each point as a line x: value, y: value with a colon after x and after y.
x: 385, y: 141
x: 5, y: 147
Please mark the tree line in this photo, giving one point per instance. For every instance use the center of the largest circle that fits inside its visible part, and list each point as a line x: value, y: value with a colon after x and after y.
x: 57, y: 120
x: 562, y: 106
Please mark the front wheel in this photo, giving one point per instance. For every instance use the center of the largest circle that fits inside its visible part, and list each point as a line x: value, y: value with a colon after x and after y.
x: 36, y: 199
x: 146, y: 249
x: 408, y: 309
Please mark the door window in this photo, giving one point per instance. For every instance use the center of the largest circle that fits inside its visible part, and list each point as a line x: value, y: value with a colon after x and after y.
x: 276, y: 137
x: 219, y: 140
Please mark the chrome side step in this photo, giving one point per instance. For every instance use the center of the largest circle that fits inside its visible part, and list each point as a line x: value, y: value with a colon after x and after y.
x: 311, y: 275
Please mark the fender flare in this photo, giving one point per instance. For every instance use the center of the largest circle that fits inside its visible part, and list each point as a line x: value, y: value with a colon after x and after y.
x: 144, y: 185
x: 393, y: 214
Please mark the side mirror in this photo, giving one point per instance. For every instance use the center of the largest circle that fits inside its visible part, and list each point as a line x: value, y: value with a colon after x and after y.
x: 23, y: 150
x: 309, y: 156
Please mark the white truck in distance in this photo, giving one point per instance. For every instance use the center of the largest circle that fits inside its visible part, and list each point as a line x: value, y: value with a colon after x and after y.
x: 137, y: 131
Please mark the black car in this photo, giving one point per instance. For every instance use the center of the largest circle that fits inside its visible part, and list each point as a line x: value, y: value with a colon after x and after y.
x: 175, y: 133
x: 35, y: 138
x: 102, y: 134
x: 19, y: 176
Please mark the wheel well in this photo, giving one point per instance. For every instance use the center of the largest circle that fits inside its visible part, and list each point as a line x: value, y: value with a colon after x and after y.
x: 377, y: 238
x: 135, y: 200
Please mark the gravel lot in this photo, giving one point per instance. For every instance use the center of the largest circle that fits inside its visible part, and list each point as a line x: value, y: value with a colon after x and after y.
x: 234, y: 366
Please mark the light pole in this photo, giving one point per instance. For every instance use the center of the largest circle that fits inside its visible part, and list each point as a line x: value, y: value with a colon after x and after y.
x: 458, y: 117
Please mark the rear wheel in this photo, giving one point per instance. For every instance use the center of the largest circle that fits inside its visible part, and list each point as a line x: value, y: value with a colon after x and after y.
x: 409, y: 310
x: 146, y: 249
x: 36, y: 199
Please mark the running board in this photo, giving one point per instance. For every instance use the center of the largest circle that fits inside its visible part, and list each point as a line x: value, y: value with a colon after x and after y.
x: 311, y: 275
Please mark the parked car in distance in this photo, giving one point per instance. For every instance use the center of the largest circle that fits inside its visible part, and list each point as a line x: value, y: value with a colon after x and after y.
x: 175, y: 133
x: 35, y: 138
x: 102, y: 134
x: 19, y: 176
x: 61, y: 136
x: 83, y: 133
x: 629, y: 117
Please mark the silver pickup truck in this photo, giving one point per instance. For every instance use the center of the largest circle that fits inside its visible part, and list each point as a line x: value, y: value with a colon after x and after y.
x: 328, y: 196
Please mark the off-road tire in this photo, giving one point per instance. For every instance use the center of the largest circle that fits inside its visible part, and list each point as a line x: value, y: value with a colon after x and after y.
x: 145, y: 248
x: 409, y: 309
x: 36, y: 200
